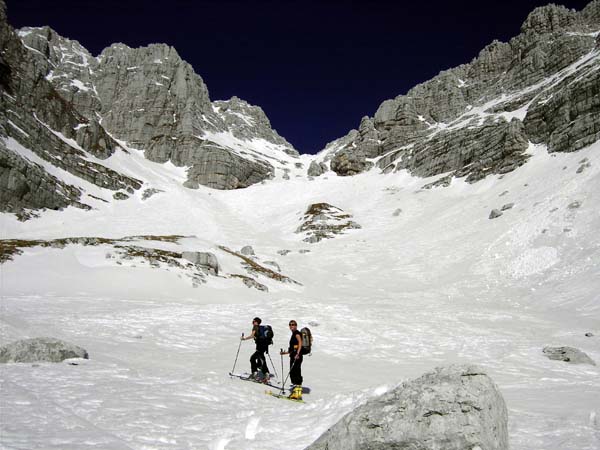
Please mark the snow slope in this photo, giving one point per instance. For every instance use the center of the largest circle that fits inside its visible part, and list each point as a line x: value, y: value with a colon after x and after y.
x: 437, y: 283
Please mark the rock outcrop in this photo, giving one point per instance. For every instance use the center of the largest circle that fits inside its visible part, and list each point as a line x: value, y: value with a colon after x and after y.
x: 451, y: 408
x: 324, y: 221
x: 40, y: 349
x: 316, y: 169
x: 568, y: 354
x: 205, y: 260
x: 478, y: 118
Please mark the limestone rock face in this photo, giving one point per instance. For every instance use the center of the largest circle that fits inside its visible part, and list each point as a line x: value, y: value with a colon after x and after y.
x: 478, y: 118
x: 40, y: 349
x: 153, y: 100
x: 38, y: 126
x: 451, y: 408
x: 218, y: 168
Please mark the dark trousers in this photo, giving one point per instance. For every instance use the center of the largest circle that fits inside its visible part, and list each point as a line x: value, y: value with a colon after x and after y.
x: 296, y: 370
x: 258, y: 361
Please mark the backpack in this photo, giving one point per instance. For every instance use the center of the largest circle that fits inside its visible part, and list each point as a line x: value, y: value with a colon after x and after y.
x: 265, y: 334
x: 307, y: 341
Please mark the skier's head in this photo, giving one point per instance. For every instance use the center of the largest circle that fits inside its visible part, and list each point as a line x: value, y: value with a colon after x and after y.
x: 257, y: 320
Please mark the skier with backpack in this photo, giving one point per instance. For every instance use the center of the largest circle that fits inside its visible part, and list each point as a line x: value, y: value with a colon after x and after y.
x: 300, y: 344
x: 263, y: 336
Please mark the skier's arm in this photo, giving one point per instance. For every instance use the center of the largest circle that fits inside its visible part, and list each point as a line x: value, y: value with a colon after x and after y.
x: 250, y: 336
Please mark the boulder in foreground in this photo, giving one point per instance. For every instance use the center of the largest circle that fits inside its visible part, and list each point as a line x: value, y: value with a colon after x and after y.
x: 452, y: 408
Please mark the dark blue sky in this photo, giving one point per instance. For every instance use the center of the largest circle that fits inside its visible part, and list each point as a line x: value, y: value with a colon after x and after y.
x: 315, y: 67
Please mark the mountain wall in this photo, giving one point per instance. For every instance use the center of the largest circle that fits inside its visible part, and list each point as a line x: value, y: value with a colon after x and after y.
x: 478, y: 118
x: 64, y: 112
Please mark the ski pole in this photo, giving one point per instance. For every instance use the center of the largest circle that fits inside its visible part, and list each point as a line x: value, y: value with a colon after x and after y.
x: 236, y: 356
x: 291, y: 367
x: 282, y: 385
x: 280, y: 354
x: 274, y: 370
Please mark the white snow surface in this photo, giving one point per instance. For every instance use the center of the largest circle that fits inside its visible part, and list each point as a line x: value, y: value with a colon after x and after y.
x: 439, y: 283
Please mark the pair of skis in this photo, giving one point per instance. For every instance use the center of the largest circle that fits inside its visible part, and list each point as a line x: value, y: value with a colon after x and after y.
x: 246, y: 377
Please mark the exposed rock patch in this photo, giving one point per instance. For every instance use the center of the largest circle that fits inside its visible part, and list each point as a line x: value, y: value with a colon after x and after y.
x: 205, y: 260
x: 273, y: 264
x: 316, y: 169
x: 442, y: 182
x: 40, y: 349
x: 254, y: 267
x: 451, y: 408
x: 251, y: 282
x: 247, y: 251
x: 494, y: 214
x: 150, y: 192
x: 568, y: 354
x: 325, y: 221
x: 584, y: 163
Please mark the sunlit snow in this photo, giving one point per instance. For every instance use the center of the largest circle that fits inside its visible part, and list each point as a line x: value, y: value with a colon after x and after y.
x: 438, y: 283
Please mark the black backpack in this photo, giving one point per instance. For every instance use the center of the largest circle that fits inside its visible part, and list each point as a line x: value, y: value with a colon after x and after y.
x: 265, y: 334
x: 307, y: 341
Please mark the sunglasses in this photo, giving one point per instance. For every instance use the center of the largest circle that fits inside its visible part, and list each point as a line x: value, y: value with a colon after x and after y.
x: 293, y: 324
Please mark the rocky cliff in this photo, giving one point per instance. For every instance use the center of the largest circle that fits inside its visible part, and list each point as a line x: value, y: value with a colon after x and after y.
x: 153, y: 100
x: 43, y: 135
x: 479, y: 118
x: 64, y: 112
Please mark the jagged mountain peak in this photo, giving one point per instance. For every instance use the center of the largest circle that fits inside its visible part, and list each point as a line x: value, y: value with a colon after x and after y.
x: 543, y: 78
x: 550, y: 19
x: 144, y: 98
x: 248, y: 121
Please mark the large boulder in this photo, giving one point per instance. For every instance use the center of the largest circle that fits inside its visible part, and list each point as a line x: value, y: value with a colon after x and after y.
x: 247, y: 250
x: 316, y: 169
x: 568, y: 354
x: 40, y: 349
x: 452, y: 408
x: 206, y: 260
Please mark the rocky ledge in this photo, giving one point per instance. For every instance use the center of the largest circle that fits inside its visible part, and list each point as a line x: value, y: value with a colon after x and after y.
x: 324, y: 221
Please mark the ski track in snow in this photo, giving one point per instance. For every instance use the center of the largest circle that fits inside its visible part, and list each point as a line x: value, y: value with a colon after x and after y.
x: 438, y: 284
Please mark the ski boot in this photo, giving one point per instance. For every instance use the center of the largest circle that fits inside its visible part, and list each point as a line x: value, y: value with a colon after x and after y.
x: 296, y: 393
x: 266, y: 378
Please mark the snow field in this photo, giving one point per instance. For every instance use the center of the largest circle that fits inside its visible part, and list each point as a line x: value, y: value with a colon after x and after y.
x: 437, y: 284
